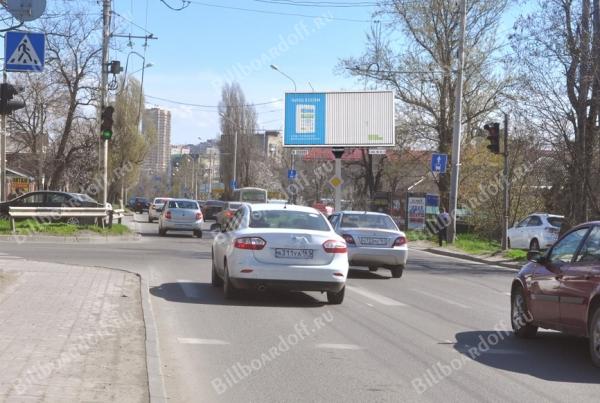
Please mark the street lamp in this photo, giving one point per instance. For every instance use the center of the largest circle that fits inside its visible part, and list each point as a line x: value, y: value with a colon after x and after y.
x: 291, y: 79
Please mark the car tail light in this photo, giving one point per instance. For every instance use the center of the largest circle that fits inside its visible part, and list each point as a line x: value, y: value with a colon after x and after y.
x: 551, y: 230
x: 168, y: 215
x: 250, y: 243
x: 229, y: 213
x: 198, y: 216
x: 333, y: 246
x: 400, y: 241
x: 349, y: 240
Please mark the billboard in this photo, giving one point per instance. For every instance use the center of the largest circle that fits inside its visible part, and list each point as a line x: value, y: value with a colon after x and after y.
x: 339, y: 119
x: 416, y: 213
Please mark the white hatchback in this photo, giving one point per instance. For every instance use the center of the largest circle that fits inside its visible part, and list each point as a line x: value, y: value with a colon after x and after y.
x: 270, y: 246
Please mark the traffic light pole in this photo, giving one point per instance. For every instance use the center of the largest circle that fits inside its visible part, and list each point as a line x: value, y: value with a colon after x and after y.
x: 3, y: 151
x: 104, y: 85
x: 506, y: 187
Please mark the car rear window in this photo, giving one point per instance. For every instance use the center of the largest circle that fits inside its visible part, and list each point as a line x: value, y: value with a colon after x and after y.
x: 375, y: 221
x: 235, y: 206
x: 210, y: 212
x: 160, y: 201
x: 183, y: 204
x: 555, y: 221
x: 288, y: 219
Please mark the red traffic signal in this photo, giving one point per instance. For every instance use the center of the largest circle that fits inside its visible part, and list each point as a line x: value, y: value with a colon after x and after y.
x: 494, y: 137
x: 107, y: 122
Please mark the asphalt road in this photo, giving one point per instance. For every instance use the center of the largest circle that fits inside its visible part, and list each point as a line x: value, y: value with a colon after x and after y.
x: 433, y: 335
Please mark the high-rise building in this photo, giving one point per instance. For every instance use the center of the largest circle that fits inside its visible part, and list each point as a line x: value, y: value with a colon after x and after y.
x: 159, y: 155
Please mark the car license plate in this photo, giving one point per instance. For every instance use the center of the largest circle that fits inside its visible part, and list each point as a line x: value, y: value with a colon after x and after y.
x: 373, y: 241
x: 284, y: 253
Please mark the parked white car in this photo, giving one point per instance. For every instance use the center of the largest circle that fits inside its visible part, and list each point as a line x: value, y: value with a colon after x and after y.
x: 536, y: 232
x: 155, y: 209
x: 281, y: 247
x: 373, y: 240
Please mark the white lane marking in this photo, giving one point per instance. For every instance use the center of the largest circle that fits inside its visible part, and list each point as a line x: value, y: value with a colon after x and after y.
x: 371, y: 305
x: 188, y: 288
x: 508, y: 293
x: 446, y: 300
x: 338, y: 346
x: 383, y: 300
x: 186, y: 340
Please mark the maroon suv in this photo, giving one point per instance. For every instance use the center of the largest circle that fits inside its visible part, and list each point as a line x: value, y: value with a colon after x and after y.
x: 560, y: 289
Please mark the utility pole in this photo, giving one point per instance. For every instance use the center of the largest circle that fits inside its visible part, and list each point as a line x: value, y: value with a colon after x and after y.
x: 3, y: 194
x: 235, y: 143
x: 104, y: 85
x: 506, y: 187
x: 456, y: 132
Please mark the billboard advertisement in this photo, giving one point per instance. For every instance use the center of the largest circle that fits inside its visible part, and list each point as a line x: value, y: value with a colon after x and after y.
x: 416, y: 213
x: 339, y: 119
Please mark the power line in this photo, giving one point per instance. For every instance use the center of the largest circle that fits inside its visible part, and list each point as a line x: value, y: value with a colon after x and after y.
x: 212, y: 106
x: 253, y: 10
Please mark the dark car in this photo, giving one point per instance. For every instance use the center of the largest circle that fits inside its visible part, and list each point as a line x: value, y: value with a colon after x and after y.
x: 560, y: 289
x: 49, y: 198
x: 141, y: 204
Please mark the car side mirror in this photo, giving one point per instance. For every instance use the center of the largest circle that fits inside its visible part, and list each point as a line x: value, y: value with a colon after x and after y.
x: 537, y: 257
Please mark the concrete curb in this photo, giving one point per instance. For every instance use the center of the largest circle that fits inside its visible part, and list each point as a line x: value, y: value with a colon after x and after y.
x: 136, y: 237
x: 458, y: 255
x: 156, y: 384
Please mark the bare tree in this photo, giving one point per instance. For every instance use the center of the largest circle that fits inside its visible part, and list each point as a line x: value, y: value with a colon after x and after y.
x: 420, y: 68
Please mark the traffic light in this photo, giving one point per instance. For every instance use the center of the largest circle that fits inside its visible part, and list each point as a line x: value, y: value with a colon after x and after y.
x: 7, y: 103
x: 107, y: 122
x: 494, y: 137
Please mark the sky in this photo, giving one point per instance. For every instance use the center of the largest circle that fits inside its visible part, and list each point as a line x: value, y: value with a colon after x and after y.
x: 200, y: 47
x: 211, y: 42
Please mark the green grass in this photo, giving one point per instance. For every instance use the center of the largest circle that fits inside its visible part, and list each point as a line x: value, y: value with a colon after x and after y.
x: 412, y: 236
x: 516, y: 254
x: 31, y: 227
x: 471, y: 243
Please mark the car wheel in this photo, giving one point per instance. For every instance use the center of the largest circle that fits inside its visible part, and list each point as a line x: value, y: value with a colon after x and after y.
x: 372, y: 268
x: 162, y: 232
x: 73, y: 221
x: 228, y: 288
x: 336, y: 298
x: 215, y: 279
x: 397, y: 271
x: 534, y: 244
x: 215, y: 227
x: 594, y: 335
x: 520, y: 317
x: 198, y: 233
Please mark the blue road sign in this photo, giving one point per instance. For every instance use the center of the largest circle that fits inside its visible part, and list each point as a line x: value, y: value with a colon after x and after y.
x: 291, y: 174
x: 233, y: 184
x: 439, y: 163
x: 304, y: 119
x: 24, y: 51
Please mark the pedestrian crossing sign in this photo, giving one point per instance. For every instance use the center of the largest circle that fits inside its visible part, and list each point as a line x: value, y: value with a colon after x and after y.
x: 24, y: 51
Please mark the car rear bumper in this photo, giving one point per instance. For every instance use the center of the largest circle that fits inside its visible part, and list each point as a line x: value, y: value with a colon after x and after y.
x: 361, y: 256
x: 176, y: 226
x: 288, y: 285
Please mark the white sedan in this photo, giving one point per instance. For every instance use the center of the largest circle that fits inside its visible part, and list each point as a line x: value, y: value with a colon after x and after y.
x: 274, y: 246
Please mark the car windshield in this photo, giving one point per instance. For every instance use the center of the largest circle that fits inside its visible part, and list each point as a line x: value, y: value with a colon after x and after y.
x: 253, y: 196
x: 183, y: 204
x: 555, y: 221
x: 160, y: 201
x: 376, y: 221
x: 288, y: 219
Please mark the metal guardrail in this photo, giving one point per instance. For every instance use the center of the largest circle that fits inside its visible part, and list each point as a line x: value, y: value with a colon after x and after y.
x: 57, y: 213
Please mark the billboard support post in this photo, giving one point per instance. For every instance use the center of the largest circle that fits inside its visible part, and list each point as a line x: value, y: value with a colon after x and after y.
x: 337, y: 153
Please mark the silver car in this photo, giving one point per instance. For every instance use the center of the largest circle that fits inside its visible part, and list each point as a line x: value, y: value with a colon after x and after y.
x: 181, y: 215
x: 156, y: 208
x: 373, y: 240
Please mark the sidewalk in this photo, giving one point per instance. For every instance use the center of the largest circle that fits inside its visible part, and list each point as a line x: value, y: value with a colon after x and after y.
x: 457, y: 253
x: 70, y: 334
